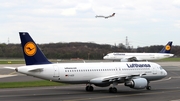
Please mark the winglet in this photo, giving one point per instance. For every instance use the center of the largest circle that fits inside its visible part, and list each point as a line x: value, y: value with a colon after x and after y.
x: 113, y: 14
x: 32, y: 54
x: 167, y: 48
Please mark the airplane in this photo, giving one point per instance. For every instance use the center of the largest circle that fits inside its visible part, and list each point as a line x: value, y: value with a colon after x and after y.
x: 124, y: 57
x: 105, y: 16
x: 136, y: 75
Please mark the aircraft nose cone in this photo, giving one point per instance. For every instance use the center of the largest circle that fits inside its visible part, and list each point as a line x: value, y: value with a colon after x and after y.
x: 105, y: 57
x: 165, y: 73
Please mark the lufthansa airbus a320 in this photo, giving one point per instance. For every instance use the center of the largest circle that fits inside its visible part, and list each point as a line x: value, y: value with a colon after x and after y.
x: 136, y: 75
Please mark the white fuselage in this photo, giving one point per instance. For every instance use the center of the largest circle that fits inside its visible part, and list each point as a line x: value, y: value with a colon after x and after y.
x: 84, y: 72
x: 138, y: 56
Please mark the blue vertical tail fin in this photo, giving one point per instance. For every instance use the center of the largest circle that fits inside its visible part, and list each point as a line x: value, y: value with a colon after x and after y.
x: 166, y: 48
x: 32, y: 54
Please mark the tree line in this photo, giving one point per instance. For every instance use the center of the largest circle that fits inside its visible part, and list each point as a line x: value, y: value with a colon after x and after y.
x: 74, y: 50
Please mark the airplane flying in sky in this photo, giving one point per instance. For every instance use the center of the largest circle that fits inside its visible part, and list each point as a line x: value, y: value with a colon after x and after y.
x: 136, y: 75
x: 124, y: 57
x: 105, y: 16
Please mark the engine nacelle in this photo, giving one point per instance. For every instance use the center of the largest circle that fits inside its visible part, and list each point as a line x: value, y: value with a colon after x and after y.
x: 129, y: 59
x: 138, y: 83
x: 124, y: 60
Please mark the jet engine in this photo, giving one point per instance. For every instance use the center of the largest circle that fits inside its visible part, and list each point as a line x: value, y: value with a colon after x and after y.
x: 137, y: 83
x: 124, y: 60
x: 132, y: 59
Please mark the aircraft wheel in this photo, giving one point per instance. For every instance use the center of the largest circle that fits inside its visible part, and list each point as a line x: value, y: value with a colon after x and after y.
x: 89, y: 88
x: 112, y: 90
x: 148, y: 87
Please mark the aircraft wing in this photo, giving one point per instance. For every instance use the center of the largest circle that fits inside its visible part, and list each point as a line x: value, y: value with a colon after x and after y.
x: 105, y: 16
x: 110, y: 15
x: 130, y: 59
x: 113, y: 78
x: 133, y: 59
x: 100, y: 16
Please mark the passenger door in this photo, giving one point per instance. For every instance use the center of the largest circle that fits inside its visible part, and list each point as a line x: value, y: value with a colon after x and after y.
x: 154, y: 70
x: 56, y: 71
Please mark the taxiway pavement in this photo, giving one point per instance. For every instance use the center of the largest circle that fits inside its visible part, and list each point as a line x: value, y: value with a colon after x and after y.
x: 167, y: 89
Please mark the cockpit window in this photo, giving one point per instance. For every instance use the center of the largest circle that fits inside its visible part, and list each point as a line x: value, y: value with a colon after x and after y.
x: 160, y: 67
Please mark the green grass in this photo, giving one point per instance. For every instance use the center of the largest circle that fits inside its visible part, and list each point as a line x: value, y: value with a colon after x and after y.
x: 12, y: 62
x: 29, y: 84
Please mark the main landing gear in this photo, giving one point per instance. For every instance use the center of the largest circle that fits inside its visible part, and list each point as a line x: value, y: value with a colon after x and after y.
x: 89, y: 88
x: 112, y: 90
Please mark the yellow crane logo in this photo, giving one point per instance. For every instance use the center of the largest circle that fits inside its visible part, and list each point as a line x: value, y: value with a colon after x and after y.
x: 30, y: 49
x: 168, y: 47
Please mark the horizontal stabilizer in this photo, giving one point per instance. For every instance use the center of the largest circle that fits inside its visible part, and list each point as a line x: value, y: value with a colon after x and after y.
x: 10, y: 68
x: 5, y: 76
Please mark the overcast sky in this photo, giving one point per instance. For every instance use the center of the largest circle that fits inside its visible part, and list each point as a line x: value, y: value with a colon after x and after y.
x: 144, y: 22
